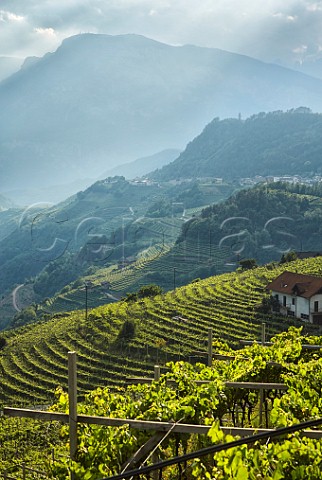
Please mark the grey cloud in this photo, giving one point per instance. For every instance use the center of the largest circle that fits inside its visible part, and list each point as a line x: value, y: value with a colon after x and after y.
x: 275, y: 29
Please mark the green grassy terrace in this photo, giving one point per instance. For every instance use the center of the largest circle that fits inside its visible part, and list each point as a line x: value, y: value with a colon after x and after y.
x: 167, y: 327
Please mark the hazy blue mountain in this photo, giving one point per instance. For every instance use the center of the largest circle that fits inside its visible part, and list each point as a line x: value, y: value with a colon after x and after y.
x: 29, y: 61
x: 26, y: 196
x: 8, y: 66
x: 276, y: 143
x: 102, y: 100
x: 58, y: 193
x: 142, y: 166
x: 311, y: 67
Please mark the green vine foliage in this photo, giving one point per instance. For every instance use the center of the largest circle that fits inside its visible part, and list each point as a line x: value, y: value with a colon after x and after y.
x: 293, y: 458
x: 103, y: 450
x: 25, y: 440
x: 179, y: 397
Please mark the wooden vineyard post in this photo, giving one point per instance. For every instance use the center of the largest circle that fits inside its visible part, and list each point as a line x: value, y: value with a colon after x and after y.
x: 261, y: 392
x: 156, y: 373
x: 72, y: 397
x: 210, y: 347
x: 263, y: 333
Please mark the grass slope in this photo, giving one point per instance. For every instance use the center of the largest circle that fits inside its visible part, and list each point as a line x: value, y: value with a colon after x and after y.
x: 34, y: 361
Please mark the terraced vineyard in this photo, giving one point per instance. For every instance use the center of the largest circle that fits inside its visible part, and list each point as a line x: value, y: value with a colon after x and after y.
x: 171, y: 326
x: 165, y: 263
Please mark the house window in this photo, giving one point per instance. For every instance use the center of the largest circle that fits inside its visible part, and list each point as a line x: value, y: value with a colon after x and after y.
x: 293, y: 301
x: 304, y: 316
x: 316, y: 306
x: 284, y: 301
x: 276, y: 297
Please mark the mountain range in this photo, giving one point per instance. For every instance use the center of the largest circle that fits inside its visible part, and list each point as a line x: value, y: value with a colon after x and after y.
x: 312, y: 67
x: 101, y: 100
x: 60, y: 192
x: 142, y: 166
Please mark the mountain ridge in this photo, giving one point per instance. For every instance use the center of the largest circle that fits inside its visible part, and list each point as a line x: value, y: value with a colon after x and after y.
x: 140, y: 166
x: 266, y: 144
x: 99, y: 101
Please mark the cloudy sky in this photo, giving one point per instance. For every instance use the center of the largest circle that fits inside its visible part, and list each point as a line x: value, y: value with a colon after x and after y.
x: 272, y: 30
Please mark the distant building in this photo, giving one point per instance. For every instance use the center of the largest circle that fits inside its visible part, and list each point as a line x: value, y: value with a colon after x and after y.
x: 259, y: 179
x: 298, y: 295
x: 270, y: 179
x: 246, y: 181
x: 140, y: 182
x: 289, y: 179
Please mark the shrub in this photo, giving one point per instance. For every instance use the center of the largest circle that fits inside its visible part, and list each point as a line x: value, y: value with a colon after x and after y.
x: 127, y: 331
x: 131, y: 297
x: 3, y: 342
x: 149, y: 291
x: 248, y: 263
x: 288, y: 257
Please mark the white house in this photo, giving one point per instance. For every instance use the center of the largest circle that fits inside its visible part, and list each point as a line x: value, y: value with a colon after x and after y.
x: 298, y: 295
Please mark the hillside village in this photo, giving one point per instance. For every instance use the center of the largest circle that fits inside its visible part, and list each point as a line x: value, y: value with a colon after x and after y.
x: 296, y: 179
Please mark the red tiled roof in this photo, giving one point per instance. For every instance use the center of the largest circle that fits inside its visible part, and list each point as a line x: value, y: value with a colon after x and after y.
x: 296, y: 284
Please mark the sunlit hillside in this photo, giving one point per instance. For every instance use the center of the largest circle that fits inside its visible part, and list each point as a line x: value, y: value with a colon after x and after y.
x: 128, y: 338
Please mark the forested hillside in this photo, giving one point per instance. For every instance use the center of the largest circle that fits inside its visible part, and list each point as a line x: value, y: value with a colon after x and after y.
x: 276, y: 143
x: 263, y: 222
